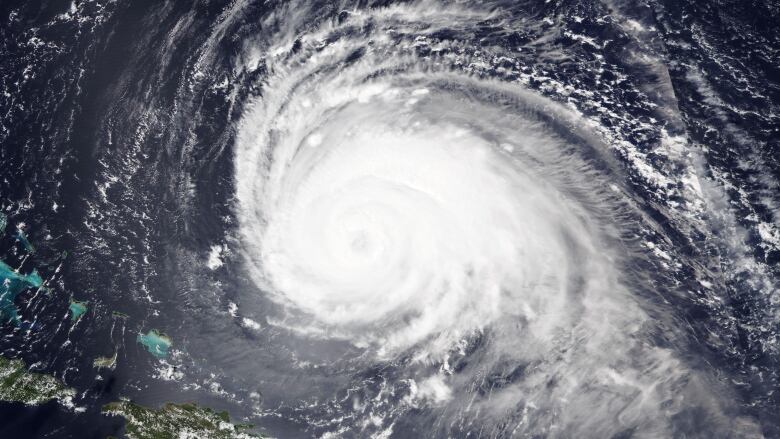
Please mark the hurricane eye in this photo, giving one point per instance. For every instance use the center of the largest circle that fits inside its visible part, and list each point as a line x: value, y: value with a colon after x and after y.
x: 390, y: 218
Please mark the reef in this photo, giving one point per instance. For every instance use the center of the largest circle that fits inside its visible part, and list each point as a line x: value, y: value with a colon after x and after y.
x: 77, y: 309
x: 14, y: 283
x: 155, y: 342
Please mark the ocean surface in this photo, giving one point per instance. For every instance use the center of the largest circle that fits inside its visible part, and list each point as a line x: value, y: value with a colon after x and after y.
x: 385, y: 219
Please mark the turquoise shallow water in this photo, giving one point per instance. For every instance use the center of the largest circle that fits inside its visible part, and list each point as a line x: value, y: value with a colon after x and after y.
x: 156, y: 343
x: 77, y: 309
x: 13, y: 283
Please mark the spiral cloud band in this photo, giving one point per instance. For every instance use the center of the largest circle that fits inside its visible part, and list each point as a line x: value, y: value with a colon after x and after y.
x: 414, y: 219
x: 402, y: 202
x: 391, y: 209
x: 391, y: 219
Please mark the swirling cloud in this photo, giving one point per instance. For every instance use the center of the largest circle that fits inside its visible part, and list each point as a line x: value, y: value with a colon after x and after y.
x: 410, y: 206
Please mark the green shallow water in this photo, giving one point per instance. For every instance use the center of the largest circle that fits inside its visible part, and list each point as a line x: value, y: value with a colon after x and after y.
x: 77, y: 309
x: 13, y: 284
x: 155, y: 342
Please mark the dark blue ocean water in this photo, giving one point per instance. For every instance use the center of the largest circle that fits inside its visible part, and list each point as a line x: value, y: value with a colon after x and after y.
x: 116, y: 150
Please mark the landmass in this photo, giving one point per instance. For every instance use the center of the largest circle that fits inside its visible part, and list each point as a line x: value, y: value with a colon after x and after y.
x: 105, y: 362
x: 17, y: 384
x: 176, y: 421
x: 155, y: 342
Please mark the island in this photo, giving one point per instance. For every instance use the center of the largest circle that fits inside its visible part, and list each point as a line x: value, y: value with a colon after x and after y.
x: 17, y: 384
x: 176, y: 421
x: 20, y: 385
x: 105, y: 362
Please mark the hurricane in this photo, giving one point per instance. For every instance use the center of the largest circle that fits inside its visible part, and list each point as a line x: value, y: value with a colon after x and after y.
x: 411, y: 219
